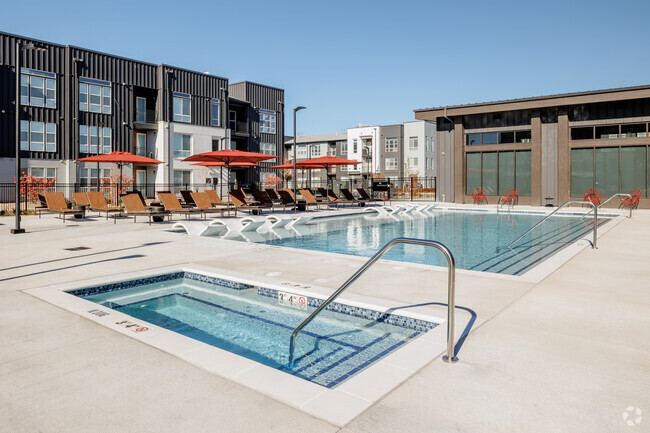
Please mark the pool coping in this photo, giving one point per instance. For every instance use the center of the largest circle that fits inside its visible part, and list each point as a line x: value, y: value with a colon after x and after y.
x: 337, y: 405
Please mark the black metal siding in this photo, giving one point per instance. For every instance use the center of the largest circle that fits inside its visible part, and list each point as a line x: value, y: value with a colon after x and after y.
x: 201, y: 87
x: 52, y: 60
x: 123, y: 74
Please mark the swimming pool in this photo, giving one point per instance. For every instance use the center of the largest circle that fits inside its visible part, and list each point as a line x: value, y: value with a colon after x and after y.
x: 478, y: 240
x: 256, y: 323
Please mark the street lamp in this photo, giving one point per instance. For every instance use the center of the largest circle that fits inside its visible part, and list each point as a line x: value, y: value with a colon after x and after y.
x: 295, y: 144
x: 19, y: 51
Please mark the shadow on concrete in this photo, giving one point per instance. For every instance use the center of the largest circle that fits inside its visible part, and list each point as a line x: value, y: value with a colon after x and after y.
x: 148, y: 244
x: 134, y: 256
x: 463, y: 335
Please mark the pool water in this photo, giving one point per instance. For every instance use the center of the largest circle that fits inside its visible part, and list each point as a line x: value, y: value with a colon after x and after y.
x: 328, y: 351
x: 478, y: 240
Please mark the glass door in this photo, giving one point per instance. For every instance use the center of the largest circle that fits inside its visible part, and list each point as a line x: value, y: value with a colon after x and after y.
x: 140, y: 109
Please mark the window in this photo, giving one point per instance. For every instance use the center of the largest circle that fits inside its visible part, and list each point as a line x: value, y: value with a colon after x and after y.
x: 413, y: 143
x: 609, y: 131
x: 182, y: 107
x: 354, y: 146
x: 331, y: 150
x: 232, y: 120
x: 37, y: 88
x: 582, y: 133
x: 214, y: 116
x: 344, y: 147
x: 391, y: 164
x: 37, y: 136
x: 140, y: 109
x: 94, y: 139
x: 301, y: 151
x: 630, y: 130
x: 267, y: 122
x: 94, y: 95
x: 268, y: 148
x: 182, y: 145
x: 497, y: 138
x: 391, y: 144
x: 141, y: 144
x: 182, y: 177
x: 88, y: 176
x: 315, y: 150
x: 413, y: 162
x: 45, y: 173
x: 497, y: 172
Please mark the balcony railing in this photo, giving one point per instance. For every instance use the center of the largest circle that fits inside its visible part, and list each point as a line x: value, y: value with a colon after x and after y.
x: 146, y: 116
x: 241, y: 127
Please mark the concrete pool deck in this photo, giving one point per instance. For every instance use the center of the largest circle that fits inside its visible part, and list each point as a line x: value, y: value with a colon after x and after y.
x: 569, y: 353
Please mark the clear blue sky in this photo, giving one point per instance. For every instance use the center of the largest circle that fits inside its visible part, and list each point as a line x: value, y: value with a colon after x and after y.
x: 368, y: 62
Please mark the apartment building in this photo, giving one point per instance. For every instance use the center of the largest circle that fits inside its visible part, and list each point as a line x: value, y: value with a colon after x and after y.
x: 385, y: 152
x: 75, y: 102
x: 551, y: 148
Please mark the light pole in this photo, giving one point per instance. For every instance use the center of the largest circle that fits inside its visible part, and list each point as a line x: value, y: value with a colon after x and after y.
x: 19, y: 51
x: 295, y: 144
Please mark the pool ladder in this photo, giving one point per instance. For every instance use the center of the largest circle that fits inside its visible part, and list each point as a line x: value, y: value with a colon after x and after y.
x: 595, y: 224
x: 451, y: 292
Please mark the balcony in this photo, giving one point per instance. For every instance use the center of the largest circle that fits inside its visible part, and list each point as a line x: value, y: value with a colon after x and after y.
x: 145, y: 119
x: 239, y: 128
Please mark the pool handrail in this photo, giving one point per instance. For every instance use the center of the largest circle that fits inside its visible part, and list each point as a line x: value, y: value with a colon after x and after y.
x: 451, y: 292
x: 595, y: 228
x: 620, y: 194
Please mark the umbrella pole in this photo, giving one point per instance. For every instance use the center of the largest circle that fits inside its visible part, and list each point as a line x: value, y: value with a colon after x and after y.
x: 221, y: 181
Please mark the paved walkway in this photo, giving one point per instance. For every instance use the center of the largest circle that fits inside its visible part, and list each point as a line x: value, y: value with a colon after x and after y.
x: 570, y: 353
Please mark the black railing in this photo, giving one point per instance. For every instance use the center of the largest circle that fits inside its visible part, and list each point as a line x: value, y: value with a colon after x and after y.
x: 418, y: 188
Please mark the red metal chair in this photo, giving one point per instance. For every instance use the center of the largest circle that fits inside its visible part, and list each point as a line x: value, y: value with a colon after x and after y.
x: 634, y: 201
x: 593, y: 196
x: 479, y: 195
x: 509, y: 197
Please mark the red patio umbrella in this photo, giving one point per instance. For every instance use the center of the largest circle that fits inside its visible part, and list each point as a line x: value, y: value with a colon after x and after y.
x: 229, y: 157
x: 120, y: 158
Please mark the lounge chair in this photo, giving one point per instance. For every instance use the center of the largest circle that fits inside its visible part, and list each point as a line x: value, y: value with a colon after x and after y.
x: 364, y: 195
x: 479, y: 195
x: 634, y: 201
x: 42, y: 204
x: 510, y: 197
x: 240, y: 201
x: 202, y: 203
x: 80, y: 199
x: 187, y: 199
x: 173, y: 206
x: 56, y: 203
x: 265, y: 200
x: 134, y: 207
x: 98, y: 204
x: 351, y: 198
x: 216, y: 200
x: 273, y: 195
x: 333, y: 198
x: 311, y: 200
x: 593, y: 196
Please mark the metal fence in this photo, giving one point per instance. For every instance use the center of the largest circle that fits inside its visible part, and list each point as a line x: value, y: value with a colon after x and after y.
x: 417, y: 188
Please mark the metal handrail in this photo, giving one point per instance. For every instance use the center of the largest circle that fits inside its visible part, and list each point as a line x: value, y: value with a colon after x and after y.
x: 619, y: 195
x: 451, y: 292
x: 595, y: 229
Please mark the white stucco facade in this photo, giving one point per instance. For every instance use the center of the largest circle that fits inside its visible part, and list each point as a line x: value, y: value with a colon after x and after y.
x: 420, y: 148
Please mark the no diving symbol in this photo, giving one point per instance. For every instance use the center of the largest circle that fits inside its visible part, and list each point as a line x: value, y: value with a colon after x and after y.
x: 302, y: 302
x: 141, y: 329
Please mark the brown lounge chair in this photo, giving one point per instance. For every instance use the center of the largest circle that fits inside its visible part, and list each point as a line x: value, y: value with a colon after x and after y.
x: 333, y: 198
x: 98, y: 204
x: 56, y: 204
x: 188, y: 201
x: 173, y: 206
x: 80, y: 199
x: 265, y: 200
x: 216, y: 200
x: 203, y: 204
x: 134, y: 207
x: 364, y: 195
x: 240, y: 201
x: 311, y: 200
